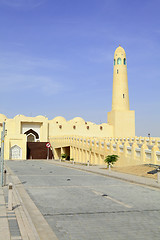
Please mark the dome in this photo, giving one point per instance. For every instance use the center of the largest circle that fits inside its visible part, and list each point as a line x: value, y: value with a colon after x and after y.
x: 2, y: 117
x: 90, y: 123
x: 119, y: 52
x: 19, y: 115
x: 77, y: 120
x: 40, y: 117
x: 59, y: 119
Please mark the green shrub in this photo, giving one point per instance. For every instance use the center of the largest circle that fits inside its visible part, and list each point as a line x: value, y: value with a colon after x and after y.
x: 63, y: 156
x: 111, y: 159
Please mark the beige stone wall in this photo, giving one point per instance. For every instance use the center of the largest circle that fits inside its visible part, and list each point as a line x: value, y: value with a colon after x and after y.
x: 47, y: 129
x: 131, y: 151
x: 77, y: 126
x: 123, y: 122
x: 16, y: 141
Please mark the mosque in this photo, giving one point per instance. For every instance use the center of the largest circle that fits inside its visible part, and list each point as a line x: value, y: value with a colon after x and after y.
x: 26, y: 137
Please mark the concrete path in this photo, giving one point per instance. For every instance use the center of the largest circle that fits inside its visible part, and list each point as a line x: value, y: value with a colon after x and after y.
x: 105, y: 172
x: 74, y: 204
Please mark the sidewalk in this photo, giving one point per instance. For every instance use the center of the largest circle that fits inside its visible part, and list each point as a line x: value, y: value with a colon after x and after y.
x: 4, y: 226
x: 103, y: 171
x: 24, y: 222
x: 14, y: 225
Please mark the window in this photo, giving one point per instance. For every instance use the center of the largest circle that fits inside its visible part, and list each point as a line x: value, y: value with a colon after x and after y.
x: 114, y: 62
x: 119, y: 61
x: 15, y: 152
x: 123, y: 95
x: 124, y: 60
x: 117, y: 71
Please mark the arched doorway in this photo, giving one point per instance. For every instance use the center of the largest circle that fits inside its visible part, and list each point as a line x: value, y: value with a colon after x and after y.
x: 32, y: 136
x: 35, y: 148
x: 38, y: 150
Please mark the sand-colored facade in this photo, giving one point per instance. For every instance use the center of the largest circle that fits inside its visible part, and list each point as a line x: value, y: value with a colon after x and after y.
x: 121, y: 121
x: 22, y: 129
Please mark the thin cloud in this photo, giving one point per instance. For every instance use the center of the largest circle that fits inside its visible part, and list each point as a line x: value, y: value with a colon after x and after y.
x: 19, y: 62
x: 21, y: 83
x: 23, y: 4
x: 19, y: 73
x: 100, y: 55
x: 42, y: 62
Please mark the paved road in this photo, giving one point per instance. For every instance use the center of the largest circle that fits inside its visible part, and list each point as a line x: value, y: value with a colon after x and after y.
x: 85, y: 206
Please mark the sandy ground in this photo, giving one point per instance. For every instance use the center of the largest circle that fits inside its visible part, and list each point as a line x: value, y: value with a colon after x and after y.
x: 139, y: 170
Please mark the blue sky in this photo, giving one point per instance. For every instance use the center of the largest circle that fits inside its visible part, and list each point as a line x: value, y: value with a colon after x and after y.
x: 56, y: 58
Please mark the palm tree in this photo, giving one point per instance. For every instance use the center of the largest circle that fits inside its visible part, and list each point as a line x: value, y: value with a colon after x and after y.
x: 110, y: 160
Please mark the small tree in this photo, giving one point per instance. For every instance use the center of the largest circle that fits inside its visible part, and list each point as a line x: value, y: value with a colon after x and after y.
x: 63, y: 156
x: 111, y: 159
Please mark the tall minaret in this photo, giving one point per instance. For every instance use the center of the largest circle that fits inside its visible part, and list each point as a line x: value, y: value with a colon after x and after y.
x: 121, y: 118
x: 120, y: 96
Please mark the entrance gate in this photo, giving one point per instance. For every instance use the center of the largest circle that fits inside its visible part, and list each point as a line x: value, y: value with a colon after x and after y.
x: 38, y: 150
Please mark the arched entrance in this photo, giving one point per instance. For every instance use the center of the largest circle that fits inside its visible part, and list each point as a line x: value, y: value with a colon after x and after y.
x: 35, y: 148
x: 38, y: 150
x: 32, y: 136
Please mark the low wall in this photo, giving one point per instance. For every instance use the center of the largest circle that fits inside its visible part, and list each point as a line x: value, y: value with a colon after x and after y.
x: 131, y: 151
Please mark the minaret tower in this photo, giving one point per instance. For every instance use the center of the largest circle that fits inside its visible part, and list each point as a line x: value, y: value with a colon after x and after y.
x: 120, y: 96
x: 121, y: 118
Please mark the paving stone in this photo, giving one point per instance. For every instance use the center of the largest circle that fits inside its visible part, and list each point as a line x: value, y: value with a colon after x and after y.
x: 76, y: 209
